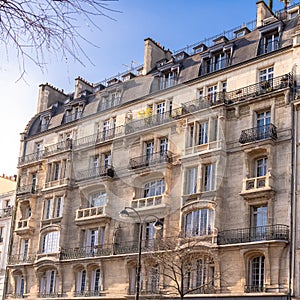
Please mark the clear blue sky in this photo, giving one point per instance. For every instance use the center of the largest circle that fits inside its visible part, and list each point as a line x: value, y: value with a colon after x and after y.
x: 172, y: 23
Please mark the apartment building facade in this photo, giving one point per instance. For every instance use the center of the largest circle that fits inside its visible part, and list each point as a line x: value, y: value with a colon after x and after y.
x: 205, y: 141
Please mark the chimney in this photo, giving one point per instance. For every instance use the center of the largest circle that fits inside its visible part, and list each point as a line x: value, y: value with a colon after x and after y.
x: 153, y: 53
x: 263, y: 12
x: 82, y: 85
x: 48, y: 95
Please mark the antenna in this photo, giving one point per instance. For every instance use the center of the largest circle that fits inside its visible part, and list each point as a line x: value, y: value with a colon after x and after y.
x: 131, y: 67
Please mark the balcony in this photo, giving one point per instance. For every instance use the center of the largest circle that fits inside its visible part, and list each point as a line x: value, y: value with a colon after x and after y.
x: 256, y: 184
x: 57, y: 183
x: 148, y: 202
x: 6, y: 212
x: 104, y: 172
x: 57, y: 148
x: 241, y: 94
x: 90, y: 214
x: 88, y: 293
x: 49, y: 295
x: 254, y: 288
x: 98, y: 138
x: 25, y: 226
x: 30, y: 158
x: 27, y: 189
x: 84, y: 252
x: 71, y: 117
x: 21, y: 259
x: 268, y: 131
x: 254, y: 234
x: 154, y: 120
x: 150, y: 160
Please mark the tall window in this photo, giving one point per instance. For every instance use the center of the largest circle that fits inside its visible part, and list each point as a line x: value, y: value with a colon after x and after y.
x: 20, y: 286
x: 53, y: 208
x: 96, y: 281
x: 50, y: 242
x: 107, y: 160
x: 149, y: 147
x: 49, y: 283
x: 106, y: 127
x: 259, y: 219
x: 269, y: 42
x: 1, y: 234
x: 24, y: 249
x: 97, y: 199
x: 191, y: 180
x: 261, y: 167
x: 163, y: 146
x: 256, y: 274
x: 266, y: 74
x: 160, y: 108
x: 153, y: 279
x: 154, y: 188
x: 209, y: 177
x: 203, y: 133
x: 56, y: 174
x: 199, y: 222
x: 33, y: 182
x: 81, y: 281
x: 92, y: 238
x: 39, y: 149
x: 212, y: 93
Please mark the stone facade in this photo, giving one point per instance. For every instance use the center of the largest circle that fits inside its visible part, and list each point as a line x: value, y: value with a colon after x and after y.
x: 206, y: 142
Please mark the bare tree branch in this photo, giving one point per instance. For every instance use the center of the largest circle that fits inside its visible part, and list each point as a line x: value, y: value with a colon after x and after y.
x: 37, y: 27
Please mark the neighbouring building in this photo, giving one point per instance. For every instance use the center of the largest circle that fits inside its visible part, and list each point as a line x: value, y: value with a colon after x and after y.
x: 7, y: 199
x: 206, y: 140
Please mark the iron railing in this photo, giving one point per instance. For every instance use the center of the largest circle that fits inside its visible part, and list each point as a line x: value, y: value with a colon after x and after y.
x: 87, y: 293
x: 21, y: 259
x: 50, y: 295
x: 99, y: 137
x: 6, y: 212
x: 249, y: 288
x: 24, y: 189
x: 150, y: 160
x: 153, y: 120
x: 72, y: 117
x: 82, y: 252
x: 59, y: 147
x: 29, y: 158
x: 258, y: 133
x: 254, y: 234
x: 104, y: 171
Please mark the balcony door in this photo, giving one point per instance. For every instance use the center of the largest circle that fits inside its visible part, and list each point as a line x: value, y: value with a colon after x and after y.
x: 149, y: 151
x: 263, y: 121
x: 259, y: 215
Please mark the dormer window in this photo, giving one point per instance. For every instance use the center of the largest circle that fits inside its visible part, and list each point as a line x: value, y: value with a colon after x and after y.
x: 169, y: 78
x: 45, y: 120
x: 73, y: 113
x: 200, y: 48
x: 241, y: 32
x: 269, y: 38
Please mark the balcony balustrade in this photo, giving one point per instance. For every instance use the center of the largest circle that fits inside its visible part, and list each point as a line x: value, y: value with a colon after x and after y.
x: 30, y: 158
x: 264, y: 132
x: 241, y: 94
x: 6, y: 212
x: 59, y: 147
x: 254, y: 234
x: 99, y: 137
x: 154, y: 120
x: 90, y: 212
x: 150, y: 160
x: 104, y: 171
x: 254, y: 288
x: 27, y: 189
x: 25, y: 226
x: 256, y: 183
x: 147, y: 202
x: 49, y: 295
x: 56, y: 183
x: 21, y: 259
x: 87, y: 293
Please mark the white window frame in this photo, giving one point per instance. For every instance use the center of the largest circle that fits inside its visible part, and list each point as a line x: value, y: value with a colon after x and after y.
x: 191, y: 180
x: 154, y: 188
x: 209, y: 177
x: 50, y: 242
x: 199, y: 222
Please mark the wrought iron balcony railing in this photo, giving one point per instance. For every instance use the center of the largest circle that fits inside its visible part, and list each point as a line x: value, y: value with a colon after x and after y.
x: 254, y: 234
x: 50, y: 295
x: 72, y: 117
x: 258, y: 133
x: 150, y: 160
x: 21, y: 259
x: 241, y: 94
x: 87, y: 293
x: 30, y: 158
x: 99, y: 137
x: 27, y: 189
x: 59, y: 147
x: 82, y: 252
x: 153, y: 120
x: 104, y: 171
x: 249, y: 288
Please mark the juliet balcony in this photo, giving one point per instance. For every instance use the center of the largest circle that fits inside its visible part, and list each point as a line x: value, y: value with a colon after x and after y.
x: 19, y: 259
x: 25, y: 226
x: 259, y: 133
x: 150, y: 160
x: 277, y: 232
x: 104, y: 172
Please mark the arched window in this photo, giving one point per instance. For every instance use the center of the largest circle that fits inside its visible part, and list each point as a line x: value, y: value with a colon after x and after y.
x: 49, y: 283
x: 50, y: 242
x: 95, y: 282
x: 154, y: 188
x: 256, y: 274
x: 199, y: 222
x: 81, y: 282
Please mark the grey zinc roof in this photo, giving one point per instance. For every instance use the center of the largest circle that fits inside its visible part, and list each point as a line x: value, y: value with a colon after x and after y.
x: 190, y: 68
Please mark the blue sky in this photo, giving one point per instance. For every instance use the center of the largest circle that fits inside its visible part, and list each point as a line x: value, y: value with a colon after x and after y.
x: 173, y: 23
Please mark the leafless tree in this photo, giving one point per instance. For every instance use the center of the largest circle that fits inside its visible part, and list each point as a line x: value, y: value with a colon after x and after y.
x: 34, y: 27
x: 186, y: 266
